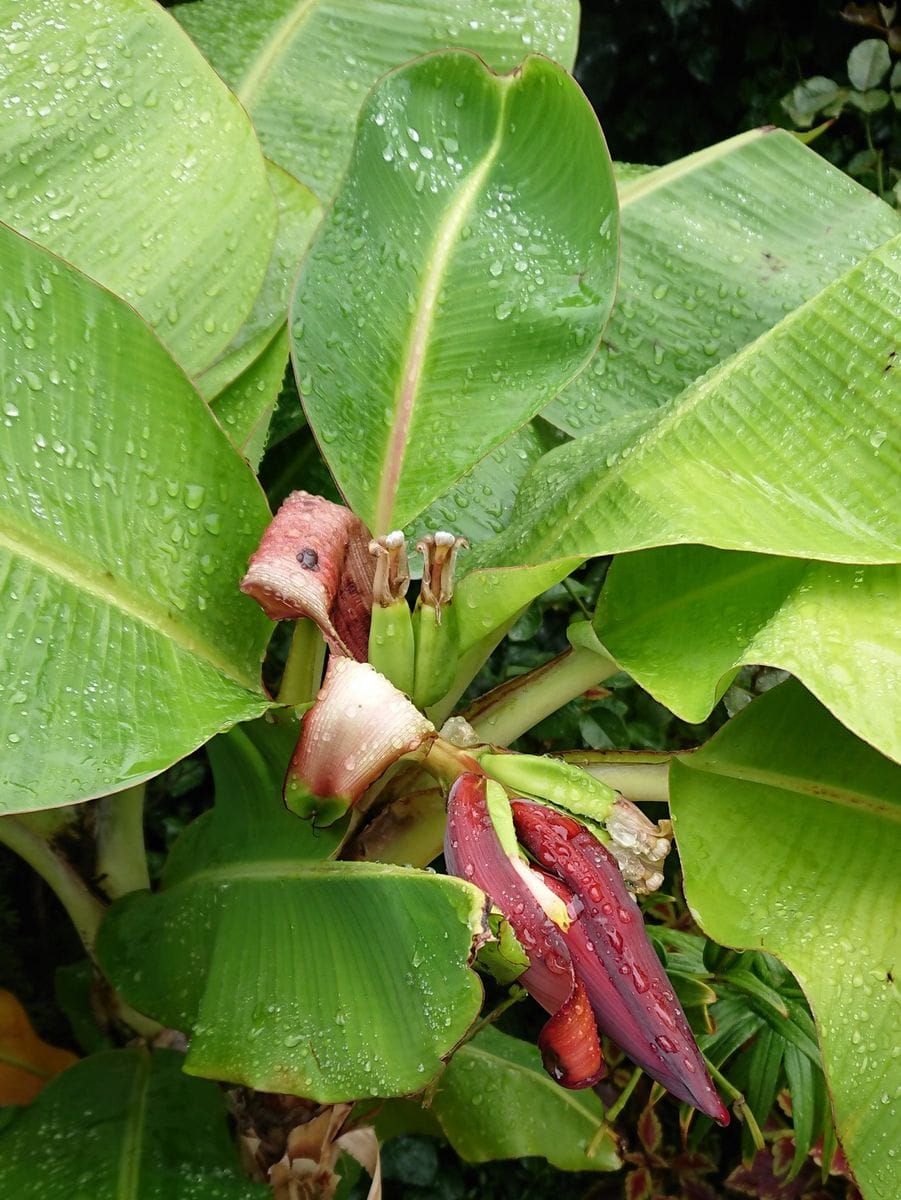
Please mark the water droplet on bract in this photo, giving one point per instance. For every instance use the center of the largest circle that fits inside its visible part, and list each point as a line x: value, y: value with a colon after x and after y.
x: 503, y: 310
x: 877, y: 437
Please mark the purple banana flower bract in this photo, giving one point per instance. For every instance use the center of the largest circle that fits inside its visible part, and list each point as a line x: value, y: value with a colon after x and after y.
x: 577, y: 914
x: 569, y: 1042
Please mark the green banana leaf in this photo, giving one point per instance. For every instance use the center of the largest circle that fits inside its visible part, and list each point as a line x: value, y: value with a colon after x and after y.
x: 124, y: 1124
x: 788, y: 831
x: 788, y: 447
x: 670, y: 457
x: 682, y: 619
x: 126, y: 520
x: 302, y: 68
x: 462, y: 276
x: 717, y: 248
x: 245, y: 407
x: 123, y: 153
x: 478, y: 505
x: 495, y: 1100
x: 299, y: 212
x: 291, y: 973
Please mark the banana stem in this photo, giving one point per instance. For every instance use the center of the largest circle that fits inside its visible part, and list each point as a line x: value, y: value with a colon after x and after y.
x: 121, y: 857
x: 84, y: 909
x: 303, y: 669
x: 637, y: 781
x: 508, y: 711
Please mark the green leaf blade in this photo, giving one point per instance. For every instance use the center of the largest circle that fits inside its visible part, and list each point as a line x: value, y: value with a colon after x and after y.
x: 329, y: 980
x: 125, y: 1123
x: 130, y: 644
x: 682, y: 619
x: 290, y: 65
x: 488, y: 251
x: 133, y: 162
x: 495, y: 1100
x: 788, y: 830
x: 736, y: 461
x: 717, y: 248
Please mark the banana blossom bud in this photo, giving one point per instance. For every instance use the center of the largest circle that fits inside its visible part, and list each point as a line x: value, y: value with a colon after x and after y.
x: 359, y: 725
x: 599, y: 949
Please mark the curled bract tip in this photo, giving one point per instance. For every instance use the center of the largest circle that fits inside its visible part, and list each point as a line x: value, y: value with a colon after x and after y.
x: 359, y: 725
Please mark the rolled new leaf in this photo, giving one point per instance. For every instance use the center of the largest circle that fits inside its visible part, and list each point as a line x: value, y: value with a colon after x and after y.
x: 313, y: 561
x: 359, y: 725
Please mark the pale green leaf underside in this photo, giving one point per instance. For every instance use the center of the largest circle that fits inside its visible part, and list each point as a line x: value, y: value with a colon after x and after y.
x: 124, y: 1125
x: 682, y: 619
x: 789, y: 831
x: 462, y: 276
x: 126, y: 519
x: 495, y: 1100
x: 716, y: 249
x: 302, y: 68
x: 122, y: 152
x: 299, y: 212
x: 291, y: 974
x: 245, y: 407
x: 479, y: 505
x: 792, y: 447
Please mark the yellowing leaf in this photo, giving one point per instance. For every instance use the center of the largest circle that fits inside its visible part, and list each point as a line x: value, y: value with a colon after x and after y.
x: 26, y: 1061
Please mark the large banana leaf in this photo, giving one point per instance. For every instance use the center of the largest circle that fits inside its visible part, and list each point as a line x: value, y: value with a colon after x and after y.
x: 789, y: 447
x: 124, y: 153
x: 291, y: 973
x: 682, y: 619
x: 301, y: 68
x: 126, y: 519
x: 462, y: 276
x: 789, y: 831
x: 716, y: 249
x: 706, y: 268
x: 299, y: 212
x: 122, y: 1125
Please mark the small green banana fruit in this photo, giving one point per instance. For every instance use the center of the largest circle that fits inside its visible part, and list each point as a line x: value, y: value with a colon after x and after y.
x: 435, y: 630
x: 391, y: 647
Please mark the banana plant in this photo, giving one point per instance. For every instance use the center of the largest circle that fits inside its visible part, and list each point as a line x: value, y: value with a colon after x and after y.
x: 511, y: 360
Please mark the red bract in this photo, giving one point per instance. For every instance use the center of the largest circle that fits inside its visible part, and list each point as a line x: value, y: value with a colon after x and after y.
x: 569, y: 1042
x: 359, y: 725
x: 594, y: 948
x: 313, y: 561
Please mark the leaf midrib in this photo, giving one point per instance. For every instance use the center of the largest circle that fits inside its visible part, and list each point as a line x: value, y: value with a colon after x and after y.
x: 796, y: 785
x: 128, y: 1182
x: 88, y: 579
x: 435, y: 269
x: 290, y: 870
x: 692, y: 397
x: 274, y: 49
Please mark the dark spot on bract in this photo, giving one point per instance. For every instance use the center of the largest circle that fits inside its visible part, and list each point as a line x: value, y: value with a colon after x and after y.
x: 890, y: 361
x: 308, y: 558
